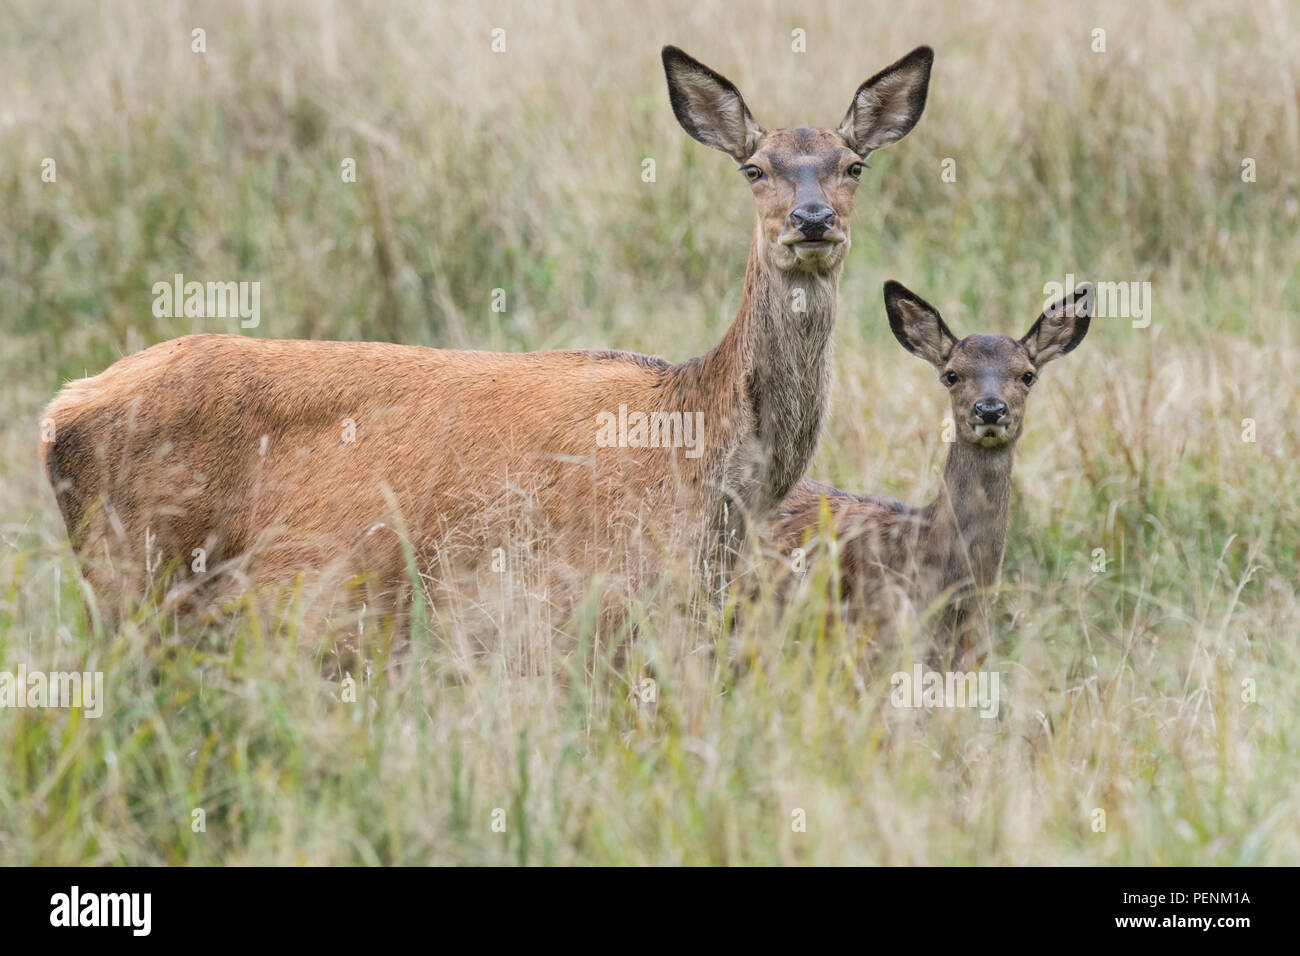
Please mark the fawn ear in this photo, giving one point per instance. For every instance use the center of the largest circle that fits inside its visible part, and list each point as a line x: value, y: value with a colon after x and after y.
x: 1061, y: 327
x: 887, y: 106
x: 917, y: 325
x: 709, y: 106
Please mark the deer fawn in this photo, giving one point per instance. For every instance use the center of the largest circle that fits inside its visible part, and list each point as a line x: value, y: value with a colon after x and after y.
x: 894, y: 557
x: 274, y: 457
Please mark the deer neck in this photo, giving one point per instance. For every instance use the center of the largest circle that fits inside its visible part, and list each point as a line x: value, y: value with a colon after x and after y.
x: 970, y: 515
x: 774, y: 363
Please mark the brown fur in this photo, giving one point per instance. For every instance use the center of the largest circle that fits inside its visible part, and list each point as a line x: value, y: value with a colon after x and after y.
x: 897, y: 559
x: 236, y: 445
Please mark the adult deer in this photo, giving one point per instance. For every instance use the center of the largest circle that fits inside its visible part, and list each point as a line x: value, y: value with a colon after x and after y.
x: 272, y: 457
x: 895, y: 558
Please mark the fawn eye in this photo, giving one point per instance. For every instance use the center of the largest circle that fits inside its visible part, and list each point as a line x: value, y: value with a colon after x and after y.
x: 855, y: 170
x: 1028, y: 378
x: 752, y: 173
x: 949, y: 378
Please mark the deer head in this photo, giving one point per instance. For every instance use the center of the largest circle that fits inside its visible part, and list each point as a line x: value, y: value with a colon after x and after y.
x: 988, y: 376
x: 803, y: 179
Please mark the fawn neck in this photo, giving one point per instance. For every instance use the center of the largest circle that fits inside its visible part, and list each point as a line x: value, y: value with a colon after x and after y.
x: 970, y: 514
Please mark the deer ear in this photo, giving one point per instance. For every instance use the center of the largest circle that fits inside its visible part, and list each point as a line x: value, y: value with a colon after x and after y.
x: 917, y: 325
x: 887, y: 106
x: 709, y: 106
x: 1061, y: 327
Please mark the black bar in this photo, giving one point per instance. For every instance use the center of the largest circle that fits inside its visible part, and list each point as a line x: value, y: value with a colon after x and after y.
x: 333, y: 906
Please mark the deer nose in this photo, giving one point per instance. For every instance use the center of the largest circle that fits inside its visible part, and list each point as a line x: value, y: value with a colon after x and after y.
x: 813, y: 220
x: 990, y: 410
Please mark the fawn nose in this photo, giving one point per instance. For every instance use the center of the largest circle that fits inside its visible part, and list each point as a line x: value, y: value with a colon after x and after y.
x: 990, y: 410
x: 813, y: 220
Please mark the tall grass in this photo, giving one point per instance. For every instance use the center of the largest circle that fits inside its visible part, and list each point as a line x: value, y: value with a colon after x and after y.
x: 1122, y: 689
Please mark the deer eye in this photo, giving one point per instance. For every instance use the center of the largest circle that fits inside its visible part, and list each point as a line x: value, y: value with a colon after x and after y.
x: 949, y: 378
x: 752, y: 173
x: 855, y: 170
x: 1028, y: 378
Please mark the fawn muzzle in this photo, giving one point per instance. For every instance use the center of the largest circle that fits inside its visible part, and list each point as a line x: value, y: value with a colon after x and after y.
x: 990, y: 421
x: 991, y: 411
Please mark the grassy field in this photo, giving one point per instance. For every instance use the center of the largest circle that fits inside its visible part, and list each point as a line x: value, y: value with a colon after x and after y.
x: 1162, y: 690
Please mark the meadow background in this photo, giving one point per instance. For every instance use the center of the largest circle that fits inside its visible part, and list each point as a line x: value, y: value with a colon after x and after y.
x: 1123, y: 690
